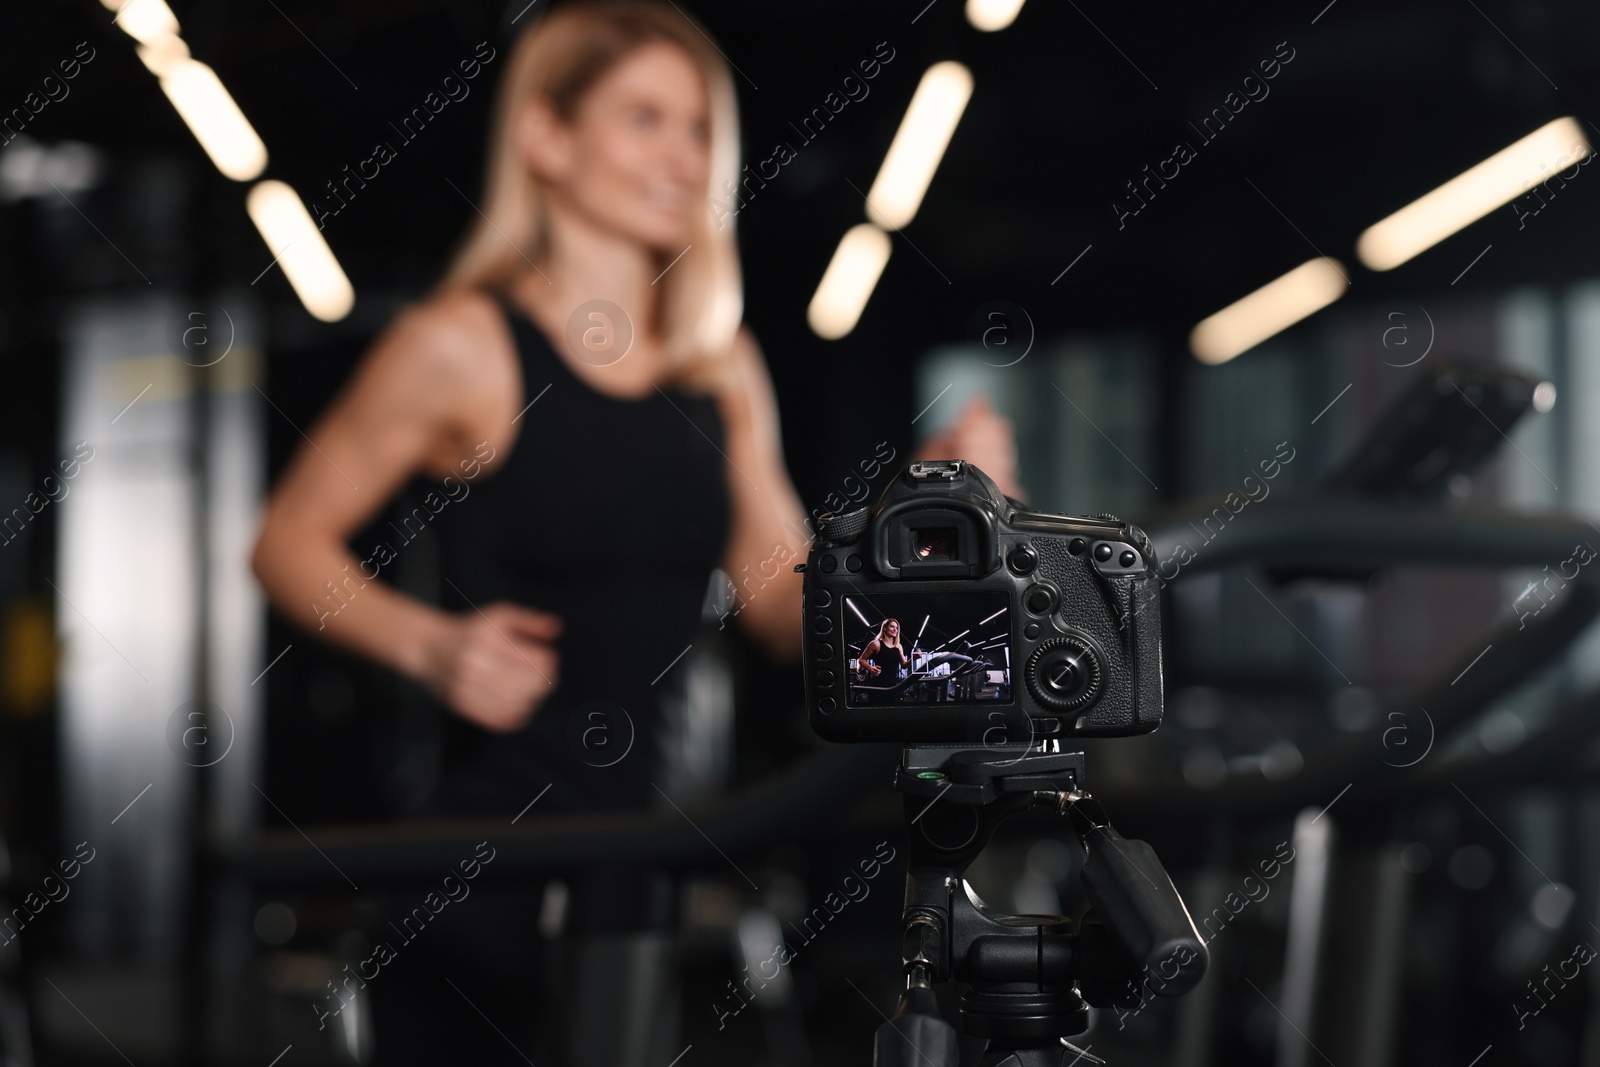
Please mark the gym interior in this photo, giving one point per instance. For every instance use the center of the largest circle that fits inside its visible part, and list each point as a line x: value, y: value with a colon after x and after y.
x: 1287, y: 306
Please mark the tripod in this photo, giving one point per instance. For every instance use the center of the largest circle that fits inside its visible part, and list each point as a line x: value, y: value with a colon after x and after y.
x: 1030, y: 978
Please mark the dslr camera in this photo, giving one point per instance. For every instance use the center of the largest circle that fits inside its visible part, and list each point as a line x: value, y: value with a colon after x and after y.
x: 987, y: 638
x: 949, y: 613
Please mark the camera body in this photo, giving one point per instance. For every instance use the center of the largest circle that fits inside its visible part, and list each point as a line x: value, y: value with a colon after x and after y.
x: 948, y: 613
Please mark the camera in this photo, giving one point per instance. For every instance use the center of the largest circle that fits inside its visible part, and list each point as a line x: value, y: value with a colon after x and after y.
x: 987, y: 638
x: 949, y: 613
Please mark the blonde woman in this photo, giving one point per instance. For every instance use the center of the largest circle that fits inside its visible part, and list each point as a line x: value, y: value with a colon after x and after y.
x: 606, y: 434
x: 883, y: 657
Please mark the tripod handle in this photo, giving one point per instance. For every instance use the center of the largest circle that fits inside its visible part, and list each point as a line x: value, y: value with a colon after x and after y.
x: 1141, y: 909
x: 917, y: 1036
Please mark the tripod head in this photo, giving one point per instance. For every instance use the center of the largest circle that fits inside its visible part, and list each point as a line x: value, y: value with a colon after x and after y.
x: 1030, y: 978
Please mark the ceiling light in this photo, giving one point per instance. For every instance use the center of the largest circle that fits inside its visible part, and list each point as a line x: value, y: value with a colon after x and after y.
x: 146, y: 21
x: 919, y: 144
x: 1269, y: 310
x: 848, y: 281
x: 1471, y: 195
x: 305, y: 257
x: 162, y: 56
x: 992, y: 15
x: 214, y: 119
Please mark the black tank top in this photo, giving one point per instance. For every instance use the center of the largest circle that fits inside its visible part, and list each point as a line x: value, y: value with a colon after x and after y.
x: 888, y: 660
x: 610, y: 513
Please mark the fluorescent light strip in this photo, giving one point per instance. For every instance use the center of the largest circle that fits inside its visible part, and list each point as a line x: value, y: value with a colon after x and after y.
x: 848, y: 281
x: 196, y: 92
x: 992, y: 15
x: 162, y: 56
x: 215, y: 120
x: 209, y: 110
x: 996, y: 615
x: 919, y: 144
x: 146, y: 21
x: 305, y: 257
x: 851, y: 604
x: 1471, y: 195
x: 1271, y: 309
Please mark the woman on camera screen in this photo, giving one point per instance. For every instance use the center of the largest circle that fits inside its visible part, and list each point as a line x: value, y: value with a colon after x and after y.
x: 605, y: 433
x: 883, y: 658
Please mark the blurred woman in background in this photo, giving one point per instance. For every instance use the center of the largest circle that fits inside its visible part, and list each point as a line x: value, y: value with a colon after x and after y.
x: 584, y: 371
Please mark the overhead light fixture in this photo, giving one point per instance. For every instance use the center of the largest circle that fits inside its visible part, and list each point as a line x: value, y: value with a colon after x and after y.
x: 209, y: 110
x: 992, y: 15
x: 1471, y: 195
x: 848, y: 281
x: 196, y: 92
x: 297, y: 244
x: 214, y: 119
x: 162, y: 56
x: 1269, y: 310
x: 919, y: 144
x: 146, y: 21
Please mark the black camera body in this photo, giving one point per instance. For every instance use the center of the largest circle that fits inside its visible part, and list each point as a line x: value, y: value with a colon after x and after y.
x: 949, y: 613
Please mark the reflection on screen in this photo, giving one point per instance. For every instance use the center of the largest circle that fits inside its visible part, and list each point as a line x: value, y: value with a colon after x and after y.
x: 928, y: 648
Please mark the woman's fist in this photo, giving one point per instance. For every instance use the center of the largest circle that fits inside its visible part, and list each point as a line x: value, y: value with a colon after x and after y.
x: 494, y: 667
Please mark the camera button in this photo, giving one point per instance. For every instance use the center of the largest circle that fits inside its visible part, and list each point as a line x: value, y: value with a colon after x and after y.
x: 1022, y: 560
x: 827, y: 704
x: 1039, y: 600
x: 1102, y: 553
x: 821, y: 598
x: 1031, y: 631
x: 822, y: 624
x: 852, y: 563
x: 826, y: 679
x: 822, y: 650
x: 1127, y: 559
x: 829, y: 564
x: 1077, y: 545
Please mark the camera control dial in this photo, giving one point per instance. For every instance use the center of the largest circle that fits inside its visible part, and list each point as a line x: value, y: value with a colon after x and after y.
x: 1064, y: 674
x: 845, y: 527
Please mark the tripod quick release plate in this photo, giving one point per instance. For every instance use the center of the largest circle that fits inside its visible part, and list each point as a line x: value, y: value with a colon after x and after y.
x: 963, y: 775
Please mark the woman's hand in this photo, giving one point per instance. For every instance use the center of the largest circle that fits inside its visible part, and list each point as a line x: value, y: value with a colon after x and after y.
x: 496, y: 666
x: 983, y: 437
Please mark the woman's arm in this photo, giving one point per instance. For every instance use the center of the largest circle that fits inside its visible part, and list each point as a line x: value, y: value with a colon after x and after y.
x: 866, y: 655
x: 769, y: 533
x: 414, y: 404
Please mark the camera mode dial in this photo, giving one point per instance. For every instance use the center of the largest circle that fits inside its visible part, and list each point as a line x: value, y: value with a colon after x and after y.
x: 845, y: 527
x: 1064, y: 674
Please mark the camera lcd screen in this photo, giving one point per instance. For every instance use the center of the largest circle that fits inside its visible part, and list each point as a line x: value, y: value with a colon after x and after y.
x: 928, y: 648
